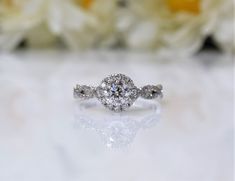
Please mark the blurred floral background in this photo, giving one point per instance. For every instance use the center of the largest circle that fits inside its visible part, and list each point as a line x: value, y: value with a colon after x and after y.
x: 181, y: 26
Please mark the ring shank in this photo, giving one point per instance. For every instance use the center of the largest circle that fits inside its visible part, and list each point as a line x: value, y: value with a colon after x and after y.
x: 146, y: 92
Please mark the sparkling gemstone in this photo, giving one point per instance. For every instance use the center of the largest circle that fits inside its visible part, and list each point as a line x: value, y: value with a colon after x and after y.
x: 117, y: 92
x: 83, y: 92
x: 151, y: 91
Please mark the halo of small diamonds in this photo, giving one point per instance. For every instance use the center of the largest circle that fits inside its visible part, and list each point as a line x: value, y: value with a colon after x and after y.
x: 117, y: 92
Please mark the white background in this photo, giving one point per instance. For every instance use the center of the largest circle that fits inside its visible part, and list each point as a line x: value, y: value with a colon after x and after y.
x: 38, y: 141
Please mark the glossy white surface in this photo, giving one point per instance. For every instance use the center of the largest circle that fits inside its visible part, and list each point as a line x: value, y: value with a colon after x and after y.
x: 117, y: 130
x: 39, y: 140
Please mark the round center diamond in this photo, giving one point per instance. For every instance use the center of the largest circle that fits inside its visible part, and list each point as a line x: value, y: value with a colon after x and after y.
x: 117, y: 92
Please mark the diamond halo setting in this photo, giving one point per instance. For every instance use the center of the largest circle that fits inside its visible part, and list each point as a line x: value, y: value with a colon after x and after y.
x: 117, y: 92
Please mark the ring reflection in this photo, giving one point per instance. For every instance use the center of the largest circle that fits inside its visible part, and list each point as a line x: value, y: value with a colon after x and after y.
x: 117, y: 129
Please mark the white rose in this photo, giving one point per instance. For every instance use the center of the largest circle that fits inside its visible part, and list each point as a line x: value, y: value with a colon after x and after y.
x: 17, y: 18
x: 168, y: 25
x: 82, y: 23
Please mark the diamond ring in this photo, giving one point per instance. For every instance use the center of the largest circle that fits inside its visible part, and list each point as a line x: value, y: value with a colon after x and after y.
x: 117, y: 92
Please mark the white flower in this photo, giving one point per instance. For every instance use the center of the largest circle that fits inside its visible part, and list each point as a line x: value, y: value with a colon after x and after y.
x: 79, y: 23
x: 17, y: 18
x: 169, y: 25
x: 225, y: 29
x: 40, y: 36
x: 82, y: 23
x: 163, y: 25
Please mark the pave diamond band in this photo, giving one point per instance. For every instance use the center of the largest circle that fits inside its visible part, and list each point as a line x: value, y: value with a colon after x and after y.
x: 117, y: 92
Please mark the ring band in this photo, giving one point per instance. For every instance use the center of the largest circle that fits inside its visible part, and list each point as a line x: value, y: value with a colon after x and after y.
x: 117, y: 92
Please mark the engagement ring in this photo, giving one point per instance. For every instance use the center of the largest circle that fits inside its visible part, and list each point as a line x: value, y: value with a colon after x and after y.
x: 117, y: 92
